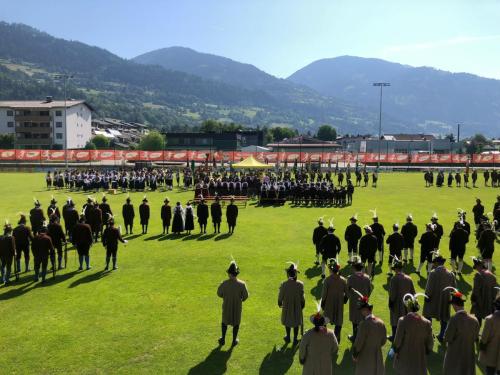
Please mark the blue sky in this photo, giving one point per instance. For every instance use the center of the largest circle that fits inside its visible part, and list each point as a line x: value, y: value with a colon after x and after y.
x: 281, y: 36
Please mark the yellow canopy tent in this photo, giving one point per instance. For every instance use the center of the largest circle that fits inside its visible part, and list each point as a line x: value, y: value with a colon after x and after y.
x: 251, y: 163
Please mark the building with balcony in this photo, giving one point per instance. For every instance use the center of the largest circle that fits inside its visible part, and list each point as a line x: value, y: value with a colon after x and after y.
x: 48, y: 124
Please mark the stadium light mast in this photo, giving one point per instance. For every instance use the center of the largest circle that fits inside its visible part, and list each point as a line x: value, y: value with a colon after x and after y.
x: 65, y: 77
x: 381, y: 85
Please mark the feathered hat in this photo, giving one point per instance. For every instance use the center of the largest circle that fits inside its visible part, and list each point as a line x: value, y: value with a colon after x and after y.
x: 111, y: 218
x: 374, y: 213
x: 166, y: 200
x: 104, y: 199
x: 456, y: 297
x: 333, y: 264
x: 292, y: 269
x: 478, y: 261
x: 145, y: 198
x: 354, y: 217
x: 7, y: 228
x: 396, y: 263
x: 409, y: 217
x: 356, y: 261
x: 37, y: 202
x: 233, y: 268
x: 318, y: 319
x: 395, y: 226
x: 434, y: 217
x: 411, y: 301
x: 53, y: 200
x: 331, y: 228
x: 437, y: 257
x: 368, y: 228
x: 363, y: 301
x: 22, y: 218
x: 128, y: 197
x: 321, y: 220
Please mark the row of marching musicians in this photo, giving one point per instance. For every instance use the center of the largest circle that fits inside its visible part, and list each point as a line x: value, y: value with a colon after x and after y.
x: 412, y: 338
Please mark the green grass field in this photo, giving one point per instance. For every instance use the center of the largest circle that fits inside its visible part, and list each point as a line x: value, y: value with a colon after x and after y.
x: 159, y: 313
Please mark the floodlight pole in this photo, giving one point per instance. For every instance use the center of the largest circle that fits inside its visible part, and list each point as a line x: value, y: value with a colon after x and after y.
x: 381, y: 85
x: 65, y: 78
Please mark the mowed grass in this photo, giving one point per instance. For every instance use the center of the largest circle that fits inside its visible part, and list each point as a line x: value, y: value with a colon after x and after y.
x: 159, y: 312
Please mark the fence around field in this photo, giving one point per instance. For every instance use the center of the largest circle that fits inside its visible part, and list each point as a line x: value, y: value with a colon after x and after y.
x: 236, y: 156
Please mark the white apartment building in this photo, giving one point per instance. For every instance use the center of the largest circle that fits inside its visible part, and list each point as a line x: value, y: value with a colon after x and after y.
x: 46, y: 124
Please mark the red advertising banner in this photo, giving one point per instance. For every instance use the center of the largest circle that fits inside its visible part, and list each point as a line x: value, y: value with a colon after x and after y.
x: 201, y: 156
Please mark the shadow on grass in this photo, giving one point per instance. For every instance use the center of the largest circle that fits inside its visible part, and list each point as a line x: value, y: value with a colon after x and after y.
x: 313, y: 272
x: 318, y: 289
x: 154, y: 238
x: 206, y: 237
x: 214, y: 364
x: 467, y: 270
x: 463, y: 286
x: 422, y: 282
x: 13, y: 293
x: 346, y: 365
x: 191, y: 237
x: 278, y: 361
x: 223, y: 236
x: 130, y: 237
x: 89, y: 278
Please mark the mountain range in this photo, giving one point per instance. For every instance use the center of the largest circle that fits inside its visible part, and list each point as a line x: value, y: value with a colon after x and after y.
x: 176, y: 88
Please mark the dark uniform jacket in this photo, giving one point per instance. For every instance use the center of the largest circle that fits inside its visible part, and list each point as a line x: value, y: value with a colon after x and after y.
x: 330, y: 246
x: 486, y: 243
x: 395, y: 242
x: 216, y: 212
x: 318, y: 234
x: 95, y: 218
x: 36, y: 218
x: 56, y: 234
x: 82, y: 235
x: 42, y: 246
x: 144, y: 213
x: 166, y: 214
x: 436, y: 305
x: 128, y: 212
x: 106, y: 211
x: 428, y: 242
x: 483, y: 293
x: 409, y: 232
x: 232, y: 214
x: 110, y: 238
x: 368, y: 245
x: 7, y: 247
x: 70, y: 218
x: 23, y: 235
x: 378, y: 231
x: 458, y: 240
x: 202, y: 213
x: 53, y: 209
x: 352, y: 233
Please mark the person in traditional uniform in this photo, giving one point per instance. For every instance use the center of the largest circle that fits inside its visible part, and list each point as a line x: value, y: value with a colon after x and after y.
x: 202, y: 213
x: 70, y: 215
x: 23, y: 236
x: 56, y: 234
x: 438, y: 294
x: 42, y: 249
x: 368, y: 249
x: 359, y: 281
x: 396, y: 243
x: 379, y: 232
x: 409, y: 232
x: 105, y: 211
x: 371, y: 337
x: 144, y: 214
x: 489, y: 345
x: 318, y: 233
x: 400, y: 285
x: 428, y: 243
x: 413, y: 341
x: 7, y: 253
x: 483, y: 290
x: 458, y: 241
x: 478, y: 211
x: 216, y: 213
x: 437, y: 228
x: 291, y: 301
x: 233, y: 293
x: 352, y: 235
x: 37, y: 217
x: 166, y: 215
x: 318, y: 347
x: 329, y: 247
x: 486, y: 245
x: 128, y: 214
x: 460, y: 337
x: 82, y: 239
x: 52, y: 209
x: 110, y: 238
x: 189, y: 218
x: 178, y: 221
x: 95, y: 220
x: 334, y: 296
x: 231, y: 215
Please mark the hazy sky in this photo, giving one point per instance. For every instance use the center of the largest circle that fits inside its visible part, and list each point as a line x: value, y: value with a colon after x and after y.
x: 281, y: 36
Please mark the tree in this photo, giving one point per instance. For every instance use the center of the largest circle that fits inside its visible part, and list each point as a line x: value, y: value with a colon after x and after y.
x: 101, y: 142
x: 90, y: 146
x: 475, y: 144
x: 327, y: 133
x: 6, y: 141
x: 153, y: 141
x: 280, y: 133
